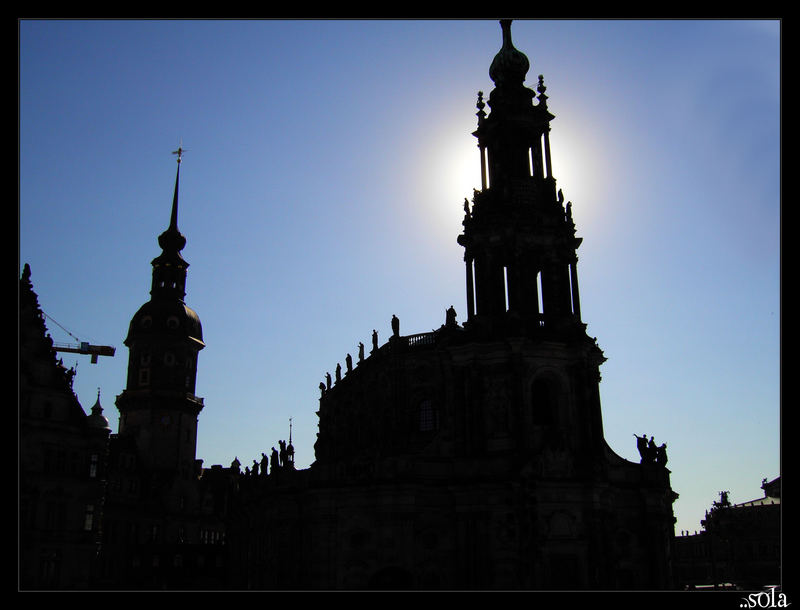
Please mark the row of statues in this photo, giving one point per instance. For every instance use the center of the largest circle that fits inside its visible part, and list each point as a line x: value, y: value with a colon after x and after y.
x: 649, y: 452
x: 450, y: 321
x: 348, y: 360
x: 268, y: 465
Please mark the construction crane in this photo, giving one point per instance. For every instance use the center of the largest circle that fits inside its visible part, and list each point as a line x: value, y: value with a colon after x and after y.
x: 83, y: 347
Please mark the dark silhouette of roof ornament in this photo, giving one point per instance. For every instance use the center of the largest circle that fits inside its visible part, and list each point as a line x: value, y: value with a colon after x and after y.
x: 171, y: 240
x: 510, y: 96
x: 649, y: 452
x: 541, y: 89
x: 450, y: 317
x: 480, y: 105
x: 169, y: 268
x: 510, y: 65
x: 97, y: 419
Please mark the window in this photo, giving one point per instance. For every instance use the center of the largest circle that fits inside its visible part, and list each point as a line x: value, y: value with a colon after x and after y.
x: 88, y: 520
x: 539, y: 294
x: 506, y: 294
x: 144, y: 377
x: 93, y: 461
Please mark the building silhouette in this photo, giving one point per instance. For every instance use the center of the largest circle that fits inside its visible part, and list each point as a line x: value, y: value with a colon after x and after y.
x: 739, y: 546
x: 164, y: 515
x: 469, y: 457
x: 473, y: 456
x: 61, y: 461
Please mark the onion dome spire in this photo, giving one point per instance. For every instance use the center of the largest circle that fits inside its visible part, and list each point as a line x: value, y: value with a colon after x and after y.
x: 508, y: 70
x: 510, y: 65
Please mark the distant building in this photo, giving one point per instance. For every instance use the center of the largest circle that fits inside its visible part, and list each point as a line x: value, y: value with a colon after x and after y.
x: 740, y: 545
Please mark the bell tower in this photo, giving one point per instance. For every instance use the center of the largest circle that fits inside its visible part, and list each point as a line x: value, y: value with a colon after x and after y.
x: 519, y: 239
x: 158, y: 406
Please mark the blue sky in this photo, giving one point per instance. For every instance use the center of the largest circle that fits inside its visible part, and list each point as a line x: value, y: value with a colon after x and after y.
x: 322, y: 190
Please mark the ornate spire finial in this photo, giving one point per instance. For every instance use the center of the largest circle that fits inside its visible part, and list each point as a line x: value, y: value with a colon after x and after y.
x: 541, y: 89
x: 480, y: 105
x: 171, y: 239
x: 510, y: 65
x: 174, y: 218
x: 179, y: 152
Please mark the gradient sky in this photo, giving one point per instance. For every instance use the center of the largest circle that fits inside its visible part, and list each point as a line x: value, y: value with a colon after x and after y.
x: 322, y: 191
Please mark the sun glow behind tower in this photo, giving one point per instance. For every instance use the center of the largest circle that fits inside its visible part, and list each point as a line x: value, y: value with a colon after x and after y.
x: 445, y: 173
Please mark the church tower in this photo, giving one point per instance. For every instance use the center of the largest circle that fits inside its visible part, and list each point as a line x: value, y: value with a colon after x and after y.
x: 520, y: 252
x: 158, y: 406
x: 519, y: 238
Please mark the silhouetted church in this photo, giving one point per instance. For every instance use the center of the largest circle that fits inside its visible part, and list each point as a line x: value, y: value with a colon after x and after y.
x: 473, y: 456
x: 470, y: 457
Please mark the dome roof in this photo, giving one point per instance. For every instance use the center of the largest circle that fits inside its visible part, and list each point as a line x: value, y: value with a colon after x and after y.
x: 97, y: 419
x: 510, y: 65
x: 165, y: 317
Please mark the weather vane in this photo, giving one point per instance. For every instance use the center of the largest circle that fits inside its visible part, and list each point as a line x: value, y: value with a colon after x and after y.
x: 179, y: 152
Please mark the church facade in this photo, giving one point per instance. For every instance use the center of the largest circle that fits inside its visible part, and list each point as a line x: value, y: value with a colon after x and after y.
x: 469, y: 457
